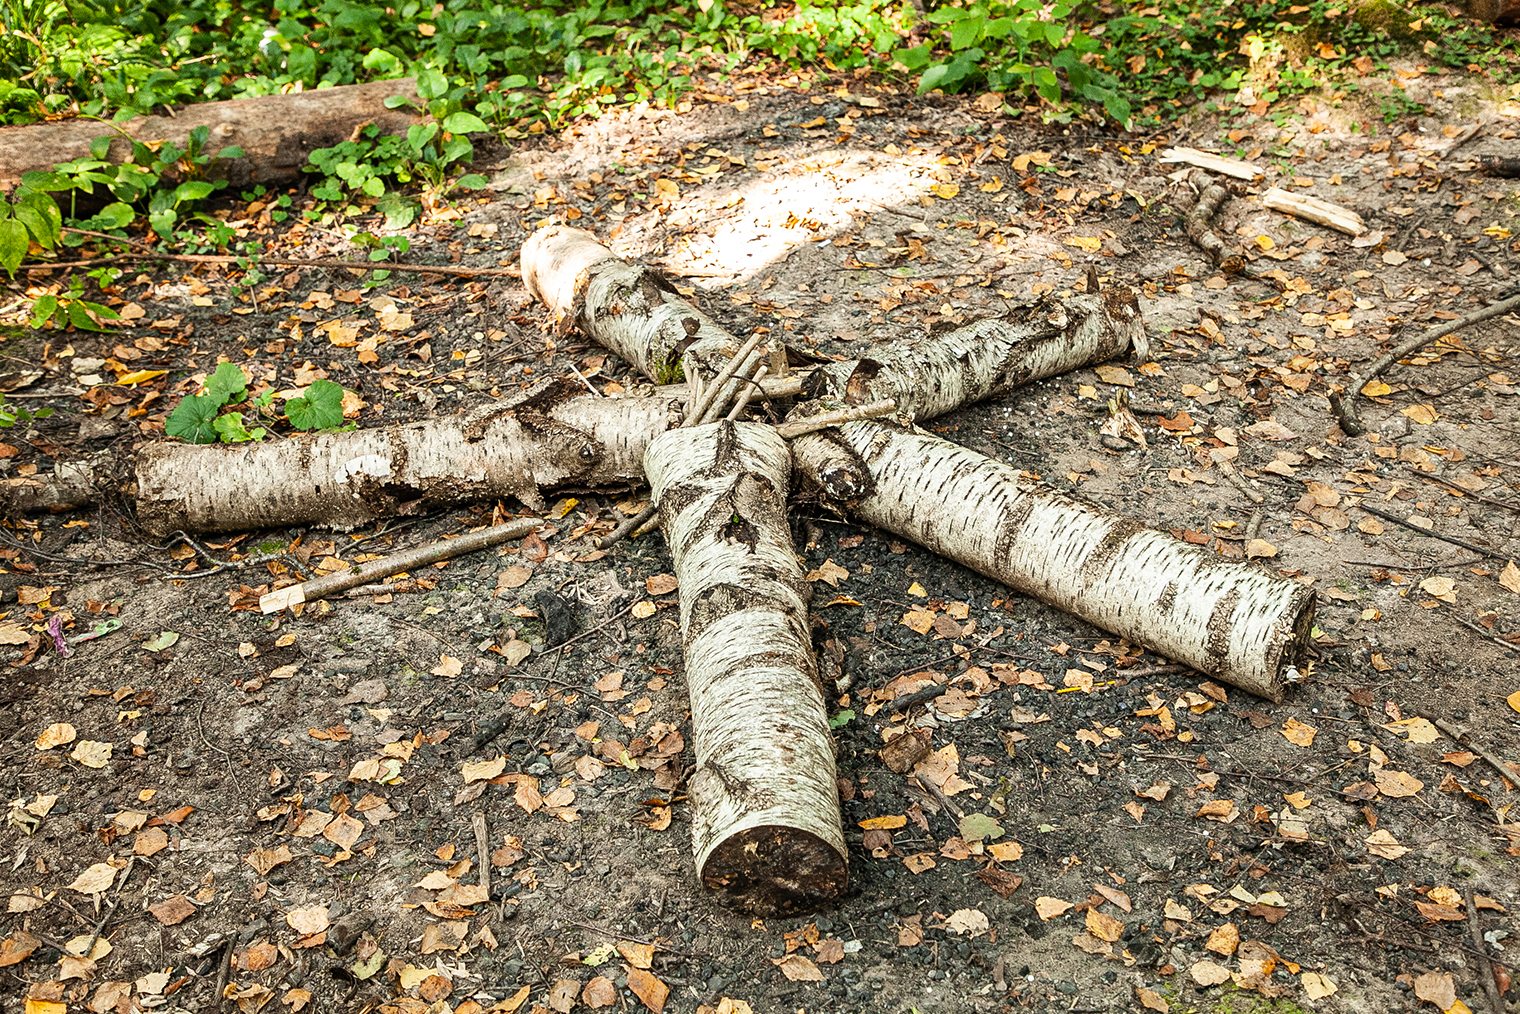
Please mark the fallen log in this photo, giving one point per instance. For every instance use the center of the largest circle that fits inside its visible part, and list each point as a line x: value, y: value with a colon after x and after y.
x: 991, y: 357
x: 766, y: 827
x: 1225, y: 618
x: 276, y: 132
x: 632, y: 309
x: 556, y: 434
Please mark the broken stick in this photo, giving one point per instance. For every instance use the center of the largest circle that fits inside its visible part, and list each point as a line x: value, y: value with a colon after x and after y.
x: 410, y: 559
x: 1314, y: 210
x: 1344, y: 404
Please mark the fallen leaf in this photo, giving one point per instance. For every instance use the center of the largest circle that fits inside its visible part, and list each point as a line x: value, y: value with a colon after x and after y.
x: 309, y: 920
x: 1509, y: 577
x: 1381, y: 843
x: 448, y: 666
x: 1396, y: 783
x: 1316, y: 986
x: 1151, y: 1000
x: 264, y: 860
x: 1224, y: 939
x: 794, y: 966
x: 479, y: 771
x: 173, y: 911
x: 967, y: 922
x: 1437, y: 988
x: 599, y: 992
x: 562, y: 996
x: 887, y: 823
x: 1298, y: 733
x: 57, y: 734
x: 1104, y: 926
x: 95, y: 880
x: 1006, y: 851
x: 1423, y: 414
x: 1207, y: 973
x: 1048, y: 908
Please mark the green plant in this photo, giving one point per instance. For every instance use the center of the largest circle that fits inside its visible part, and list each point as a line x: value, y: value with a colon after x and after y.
x: 200, y: 419
x: 359, y: 170
x: 15, y: 415
x: 59, y: 310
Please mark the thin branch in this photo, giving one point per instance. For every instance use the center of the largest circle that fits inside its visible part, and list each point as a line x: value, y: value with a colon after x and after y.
x: 1344, y: 404
x: 1434, y: 535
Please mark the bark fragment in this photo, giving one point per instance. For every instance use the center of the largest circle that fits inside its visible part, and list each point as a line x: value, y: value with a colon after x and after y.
x: 1225, y: 618
x: 765, y: 807
x: 553, y: 435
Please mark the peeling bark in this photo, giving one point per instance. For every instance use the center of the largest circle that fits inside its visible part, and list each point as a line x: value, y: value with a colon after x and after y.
x: 1225, y: 618
x: 765, y: 808
x: 553, y: 435
x: 991, y: 357
x: 632, y: 309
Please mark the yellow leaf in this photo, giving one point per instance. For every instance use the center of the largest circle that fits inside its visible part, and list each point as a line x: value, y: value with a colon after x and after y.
x: 139, y: 377
x: 1376, y: 389
x: 1316, y: 986
x: 1048, y: 908
x: 884, y: 823
x: 1423, y: 414
x: 1509, y: 577
x: 1297, y: 732
x: 945, y: 191
x: 1091, y: 244
x: 643, y: 610
x: 1266, y: 243
x: 1513, y: 700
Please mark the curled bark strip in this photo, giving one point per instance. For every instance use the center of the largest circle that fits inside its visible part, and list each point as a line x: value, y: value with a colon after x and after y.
x: 630, y: 308
x: 550, y: 436
x: 1343, y: 405
x: 1312, y: 209
x: 991, y: 357
x: 765, y: 808
x: 1205, y: 238
x: 1224, y: 618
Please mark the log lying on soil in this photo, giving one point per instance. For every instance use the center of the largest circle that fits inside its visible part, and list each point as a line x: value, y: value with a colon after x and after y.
x: 632, y: 309
x: 1314, y: 210
x: 765, y: 807
x: 276, y: 132
x: 553, y: 435
x: 1224, y: 618
x: 991, y: 357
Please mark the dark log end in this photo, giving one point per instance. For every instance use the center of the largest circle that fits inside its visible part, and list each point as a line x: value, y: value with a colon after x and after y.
x: 775, y: 870
x: 1291, y: 649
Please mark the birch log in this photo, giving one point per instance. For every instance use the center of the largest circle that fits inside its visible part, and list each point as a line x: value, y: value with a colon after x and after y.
x: 765, y: 808
x: 1225, y: 618
x: 991, y: 357
x: 630, y: 308
x: 553, y: 435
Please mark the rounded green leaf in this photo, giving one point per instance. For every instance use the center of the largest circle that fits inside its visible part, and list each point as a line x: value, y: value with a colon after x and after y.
x: 13, y: 245
x: 464, y: 123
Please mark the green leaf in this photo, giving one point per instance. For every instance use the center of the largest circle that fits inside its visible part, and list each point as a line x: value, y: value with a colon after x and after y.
x: 967, y: 31
x: 165, y: 639
x: 193, y: 419
x: 431, y: 83
x: 193, y: 190
x: 841, y: 719
x: 472, y: 181
x: 464, y: 123
x: 46, y: 181
x: 100, y: 147
x: 227, y: 384
x: 320, y: 408
x: 117, y: 215
x: 13, y: 245
x: 163, y: 222
x: 230, y: 428
x: 373, y: 187
x: 43, y: 310
x: 39, y: 213
x: 231, y: 151
x: 79, y: 316
x: 976, y: 826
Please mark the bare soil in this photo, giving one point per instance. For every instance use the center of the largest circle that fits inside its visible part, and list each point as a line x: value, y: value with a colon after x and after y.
x: 297, y: 784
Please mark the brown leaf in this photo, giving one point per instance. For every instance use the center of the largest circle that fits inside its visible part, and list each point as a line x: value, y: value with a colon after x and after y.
x: 1151, y: 1000
x: 1436, y: 988
x: 1104, y: 926
x: 264, y: 860
x: 18, y: 948
x: 150, y: 842
x: 903, y: 752
x: 1048, y: 908
x: 599, y: 992
x: 1000, y: 881
x: 257, y: 957
x: 562, y: 996
x: 638, y: 955
x: 344, y: 831
x: 830, y: 951
x: 653, y: 992
x: 796, y: 968
x: 1118, y: 898
x: 172, y: 911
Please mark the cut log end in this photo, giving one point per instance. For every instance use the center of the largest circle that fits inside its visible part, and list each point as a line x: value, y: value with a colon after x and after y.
x: 775, y: 870
x: 1286, y: 653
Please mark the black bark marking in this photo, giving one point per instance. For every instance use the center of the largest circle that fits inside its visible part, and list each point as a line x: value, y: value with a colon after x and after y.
x: 1218, y: 629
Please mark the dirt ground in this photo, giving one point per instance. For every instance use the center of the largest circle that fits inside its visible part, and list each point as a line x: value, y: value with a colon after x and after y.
x: 369, y: 805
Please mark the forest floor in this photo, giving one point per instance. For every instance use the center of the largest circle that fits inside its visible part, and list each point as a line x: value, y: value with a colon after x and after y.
x: 378, y: 809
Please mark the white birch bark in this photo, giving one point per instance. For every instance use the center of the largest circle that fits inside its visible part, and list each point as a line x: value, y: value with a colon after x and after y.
x: 1225, y: 618
x: 765, y: 807
x: 630, y: 308
x: 991, y: 357
x: 554, y: 435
